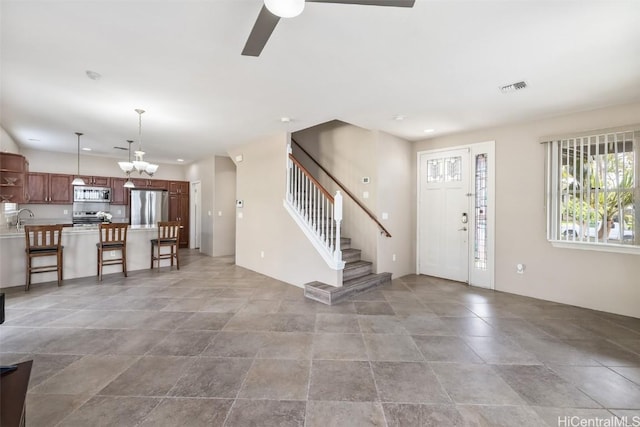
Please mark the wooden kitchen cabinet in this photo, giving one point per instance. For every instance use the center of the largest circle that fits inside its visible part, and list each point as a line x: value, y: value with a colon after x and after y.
x: 179, y: 187
x: 144, y: 183
x: 179, y: 209
x: 119, y: 194
x: 13, y: 178
x: 96, y: 181
x: 50, y: 188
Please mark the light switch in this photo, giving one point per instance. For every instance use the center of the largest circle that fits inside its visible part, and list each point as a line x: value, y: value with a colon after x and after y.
x: 240, y: 215
x: 219, y: 213
x: 209, y: 213
x: 239, y: 158
x: 385, y: 215
x: 365, y: 195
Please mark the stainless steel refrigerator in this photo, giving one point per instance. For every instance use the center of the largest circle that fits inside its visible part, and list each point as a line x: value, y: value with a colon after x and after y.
x: 149, y: 206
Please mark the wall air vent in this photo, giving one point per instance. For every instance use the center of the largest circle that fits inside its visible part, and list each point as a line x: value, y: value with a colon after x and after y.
x: 513, y: 87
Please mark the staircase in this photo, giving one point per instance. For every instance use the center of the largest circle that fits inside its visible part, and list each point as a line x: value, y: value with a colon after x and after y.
x: 356, y: 278
x: 319, y: 214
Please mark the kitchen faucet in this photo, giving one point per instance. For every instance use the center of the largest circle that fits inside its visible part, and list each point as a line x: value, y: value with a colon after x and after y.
x: 19, y: 221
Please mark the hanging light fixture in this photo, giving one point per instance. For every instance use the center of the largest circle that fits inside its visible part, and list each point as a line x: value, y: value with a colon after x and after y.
x: 78, y: 180
x: 127, y: 167
x: 138, y: 163
x: 285, y: 8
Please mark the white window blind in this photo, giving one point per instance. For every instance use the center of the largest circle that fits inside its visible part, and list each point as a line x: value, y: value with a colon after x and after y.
x: 592, y: 189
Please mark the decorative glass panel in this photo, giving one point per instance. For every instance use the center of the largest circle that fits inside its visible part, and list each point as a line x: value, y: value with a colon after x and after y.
x: 480, y: 249
x: 453, y: 166
x: 435, y: 170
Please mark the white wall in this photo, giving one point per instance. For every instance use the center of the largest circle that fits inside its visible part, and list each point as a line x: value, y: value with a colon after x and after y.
x: 396, y: 186
x: 7, y: 144
x: 265, y: 225
x: 224, y: 226
x: 598, y: 280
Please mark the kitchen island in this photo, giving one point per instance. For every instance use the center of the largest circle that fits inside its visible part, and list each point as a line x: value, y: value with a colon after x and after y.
x: 80, y: 254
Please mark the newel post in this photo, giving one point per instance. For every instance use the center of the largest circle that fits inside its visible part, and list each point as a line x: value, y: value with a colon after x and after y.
x: 337, y: 216
x: 289, y: 193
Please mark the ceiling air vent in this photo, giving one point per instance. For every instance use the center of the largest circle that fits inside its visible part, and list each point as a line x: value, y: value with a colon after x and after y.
x: 513, y: 87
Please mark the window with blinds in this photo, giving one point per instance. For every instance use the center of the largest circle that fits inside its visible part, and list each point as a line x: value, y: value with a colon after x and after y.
x: 593, y: 189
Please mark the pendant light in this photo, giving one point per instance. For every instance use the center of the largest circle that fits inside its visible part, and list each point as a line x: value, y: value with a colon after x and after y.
x: 78, y: 180
x: 139, y: 164
x: 128, y: 167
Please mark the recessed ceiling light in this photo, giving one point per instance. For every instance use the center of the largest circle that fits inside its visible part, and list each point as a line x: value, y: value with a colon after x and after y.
x: 285, y: 119
x: 429, y: 130
x: 93, y: 75
x: 399, y: 118
x: 86, y: 149
x: 180, y: 160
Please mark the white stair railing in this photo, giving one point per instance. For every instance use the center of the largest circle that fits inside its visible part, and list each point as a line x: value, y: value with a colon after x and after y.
x: 317, y: 212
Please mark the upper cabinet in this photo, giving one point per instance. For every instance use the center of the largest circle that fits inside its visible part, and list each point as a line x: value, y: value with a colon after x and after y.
x: 50, y: 188
x: 144, y: 183
x: 179, y: 187
x: 96, y: 181
x: 13, y: 178
x: 119, y: 194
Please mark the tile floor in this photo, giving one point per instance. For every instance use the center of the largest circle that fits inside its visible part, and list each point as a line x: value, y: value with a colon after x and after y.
x: 214, y: 344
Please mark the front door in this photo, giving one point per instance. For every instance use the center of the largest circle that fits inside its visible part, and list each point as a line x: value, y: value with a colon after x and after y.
x: 444, y: 214
x: 456, y: 214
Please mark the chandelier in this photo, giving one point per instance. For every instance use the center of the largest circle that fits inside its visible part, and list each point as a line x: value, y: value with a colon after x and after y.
x: 138, y: 164
x: 128, y: 167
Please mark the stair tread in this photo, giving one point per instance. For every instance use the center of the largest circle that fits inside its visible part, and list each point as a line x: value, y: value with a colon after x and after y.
x: 327, y: 294
x: 356, y: 264
x: 362, y: 279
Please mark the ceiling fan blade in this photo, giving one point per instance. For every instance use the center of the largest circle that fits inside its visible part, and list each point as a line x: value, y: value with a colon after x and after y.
x: 392, y: 3
x: 262, y: 29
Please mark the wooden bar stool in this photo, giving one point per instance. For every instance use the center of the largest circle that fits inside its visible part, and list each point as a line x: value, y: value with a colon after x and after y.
x: 43, y: 241
x: 168, y: 236
x: 113, y: 237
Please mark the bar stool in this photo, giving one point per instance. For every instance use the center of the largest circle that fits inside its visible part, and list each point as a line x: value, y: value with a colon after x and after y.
x: 43, y: 241
x: 113, y: 237
x: 168, y: 235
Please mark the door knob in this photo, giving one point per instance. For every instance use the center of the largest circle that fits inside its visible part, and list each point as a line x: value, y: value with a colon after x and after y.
x: 462, y: 229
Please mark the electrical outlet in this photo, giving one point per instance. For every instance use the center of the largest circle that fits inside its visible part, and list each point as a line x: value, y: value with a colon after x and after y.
x: 65, y: 212
x: 520, y: 268
x: 261, y: 254
x: 239, y: 215
x: 385, y: 215
x: 365, y: 195
x: 219, y: 213
x: 394, y: 257
x: 113, y: 254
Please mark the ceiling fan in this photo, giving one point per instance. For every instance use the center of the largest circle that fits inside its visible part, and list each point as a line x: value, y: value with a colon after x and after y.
x: 273, y: 10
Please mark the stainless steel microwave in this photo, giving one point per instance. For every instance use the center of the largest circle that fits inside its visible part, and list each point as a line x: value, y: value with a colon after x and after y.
x: 91, y: 194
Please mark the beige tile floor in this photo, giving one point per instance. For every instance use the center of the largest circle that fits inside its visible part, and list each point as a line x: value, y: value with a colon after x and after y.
x: 215, y: 344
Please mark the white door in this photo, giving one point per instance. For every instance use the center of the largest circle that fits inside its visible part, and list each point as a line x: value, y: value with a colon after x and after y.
x: 444, y: 214
x: 456, y: 214
x: 196, y: 215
